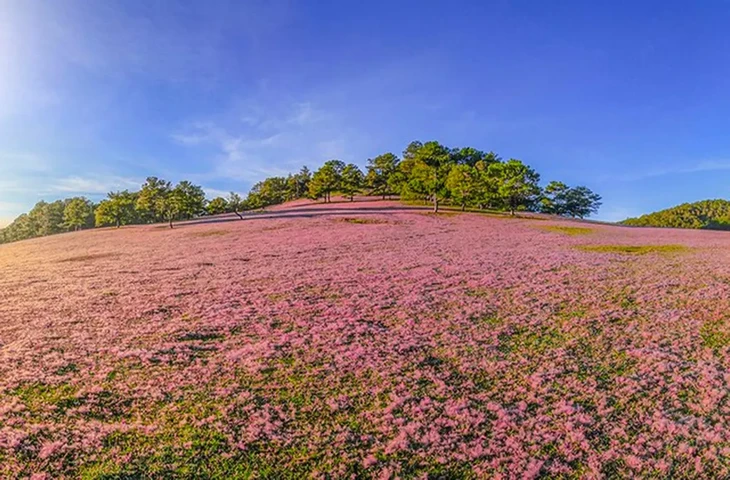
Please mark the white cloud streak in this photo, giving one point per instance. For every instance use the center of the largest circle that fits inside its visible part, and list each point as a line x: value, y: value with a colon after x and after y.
x: 687, y: 168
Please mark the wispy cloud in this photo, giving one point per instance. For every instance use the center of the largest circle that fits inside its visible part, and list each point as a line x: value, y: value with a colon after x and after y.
x: 261, y: 143
x: 95, y: 185
x: 702, y: 166
x: 211, y: 193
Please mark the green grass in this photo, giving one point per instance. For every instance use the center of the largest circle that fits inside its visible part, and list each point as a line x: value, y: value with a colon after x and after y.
x: 209, y: 233
x: 635, y: 249
x: 714, y: 334
x: 361, y: 221
x: 572, y: 231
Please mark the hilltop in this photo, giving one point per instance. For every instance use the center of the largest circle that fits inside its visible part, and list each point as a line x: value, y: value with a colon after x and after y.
x: 707, y: 214
x: 364, y: 340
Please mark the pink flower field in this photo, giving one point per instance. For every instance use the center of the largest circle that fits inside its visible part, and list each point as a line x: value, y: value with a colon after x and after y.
x: 366, y: 344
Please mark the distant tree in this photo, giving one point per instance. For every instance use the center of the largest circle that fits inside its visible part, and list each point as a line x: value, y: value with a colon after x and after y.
x: 381, y: 172
x: 117, y: 209
x: 432, y: 163
x: 184, y: 201
x: 298, y: 184
x: 486, y: 193
x: 706, y: 214
x: 20, y: 229
x: 217, y: 206
x: 516, y: 184
x: 326, y: 180
x: 554, y: 199
x: 463, y: 184
x: 190, y: 198
x: 582, y: 202
x: 46, y: 218
x: 352, y: 180
x: 560, y: 199
x: 470, y: 156
x: 152, y: 202
x: 235, y: 204
x: 270, y: 191
x: 77, y: 213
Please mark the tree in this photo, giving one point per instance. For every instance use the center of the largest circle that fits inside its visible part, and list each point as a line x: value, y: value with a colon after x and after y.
x: 486, y: 193
x: 463, y: 184
x: 351, y: 181
x: 470, y: 156
x: 298, y: 184
x: 432, y: 162
x: 77, y: 213
x: 582, y: 202
x: 235, y: 204
x: 152, y: 199
x: 270, y: 191
x: 184, y: 201
x: 560, y: 199
x: 117, y: 209
x: 217, y: 206
x: 190, y: 198
x: 170, y: 206
x: 45, y: 219
x: 326, y: 180
x: 516, y: 184
x: 381, y: 171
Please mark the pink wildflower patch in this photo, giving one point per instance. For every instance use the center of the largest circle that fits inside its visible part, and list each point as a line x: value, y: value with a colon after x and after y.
x: 303, y: 345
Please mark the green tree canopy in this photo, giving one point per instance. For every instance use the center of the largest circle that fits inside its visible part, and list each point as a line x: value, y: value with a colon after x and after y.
x: 560, y: 199
x: 351, y: 181
x: 517, y: 184
x: 463, y: 184
x: 152, y: 199
x: 326, y: 180
x: 117, y: 209
x: 298, y: 184
x: 217, y: 206
x: 78, y: 213
x: 381, y: 171
x: 235, y: 204
x: 431, y: 165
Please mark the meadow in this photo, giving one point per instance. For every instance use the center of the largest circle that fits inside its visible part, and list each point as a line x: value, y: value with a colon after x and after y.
x: 366, y: 344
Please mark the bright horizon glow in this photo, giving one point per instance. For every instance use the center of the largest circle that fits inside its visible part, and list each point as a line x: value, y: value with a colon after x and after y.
x: 95, y: 96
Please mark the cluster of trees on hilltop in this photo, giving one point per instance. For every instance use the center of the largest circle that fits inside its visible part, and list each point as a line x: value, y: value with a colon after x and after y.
x: 429, y: 172
x: 464, y: 177
x: 707, y: 214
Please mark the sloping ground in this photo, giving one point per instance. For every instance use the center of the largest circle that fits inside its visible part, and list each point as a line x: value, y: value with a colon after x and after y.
x: 369, y: 344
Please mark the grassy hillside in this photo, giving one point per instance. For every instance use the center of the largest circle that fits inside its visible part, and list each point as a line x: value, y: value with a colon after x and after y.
x: 707, y: 214
x: 344, y: 342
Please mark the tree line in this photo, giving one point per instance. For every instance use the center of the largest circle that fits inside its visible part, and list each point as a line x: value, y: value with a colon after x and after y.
x: 707, y: 214
x: 428, y: 172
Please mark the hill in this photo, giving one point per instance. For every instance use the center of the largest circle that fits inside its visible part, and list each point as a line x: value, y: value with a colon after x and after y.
x: 350, y: 341
x: 707, y: 214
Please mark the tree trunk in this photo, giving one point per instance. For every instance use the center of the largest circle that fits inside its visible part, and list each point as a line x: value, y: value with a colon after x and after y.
x: 435, y: 204
x: 463, y: 207
x: 240, y: 217
x: 170, y: 222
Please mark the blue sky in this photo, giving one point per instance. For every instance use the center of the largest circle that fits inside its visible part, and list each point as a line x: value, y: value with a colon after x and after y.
x: 627, y: 98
